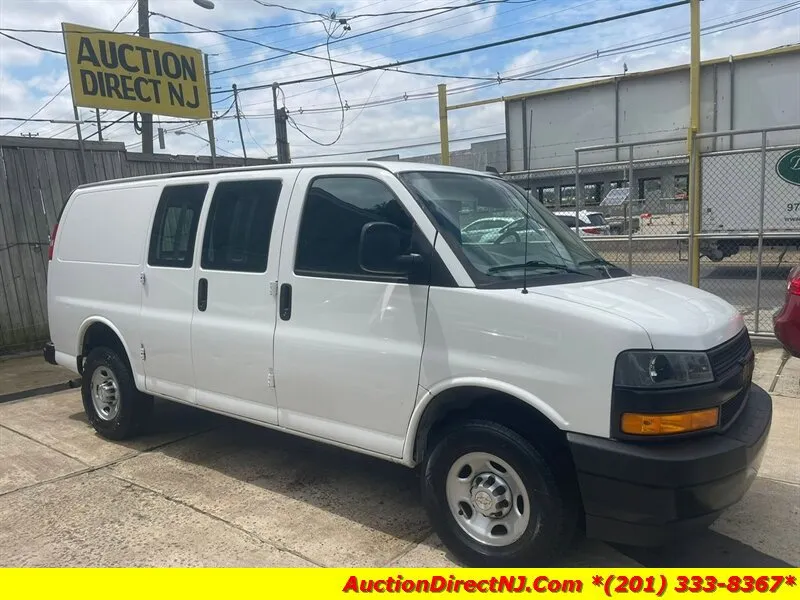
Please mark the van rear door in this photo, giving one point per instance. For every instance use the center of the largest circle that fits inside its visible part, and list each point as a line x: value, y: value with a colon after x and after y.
x: 168, y: 296
x: 234, y: 313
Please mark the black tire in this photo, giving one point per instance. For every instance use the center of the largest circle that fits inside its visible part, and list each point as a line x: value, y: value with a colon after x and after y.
x: 554, y: 510
x: 135, y: 407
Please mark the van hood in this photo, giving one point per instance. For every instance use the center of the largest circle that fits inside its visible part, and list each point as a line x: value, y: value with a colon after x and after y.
x: 675, y: 315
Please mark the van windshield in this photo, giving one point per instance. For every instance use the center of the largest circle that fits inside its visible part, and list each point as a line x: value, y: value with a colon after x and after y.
x: 484, y: 219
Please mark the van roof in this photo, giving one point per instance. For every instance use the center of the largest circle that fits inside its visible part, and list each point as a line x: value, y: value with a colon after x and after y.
x: 391, y: 166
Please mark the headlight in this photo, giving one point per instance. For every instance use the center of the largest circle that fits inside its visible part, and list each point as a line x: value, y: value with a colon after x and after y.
x: 650, y: 369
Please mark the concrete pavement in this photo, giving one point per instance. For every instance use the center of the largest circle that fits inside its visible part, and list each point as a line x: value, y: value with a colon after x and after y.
x: 28, y: 375
x: 204, y: 490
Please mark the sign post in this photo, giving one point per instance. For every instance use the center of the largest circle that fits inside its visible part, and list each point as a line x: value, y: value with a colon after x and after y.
x: 135, y: 74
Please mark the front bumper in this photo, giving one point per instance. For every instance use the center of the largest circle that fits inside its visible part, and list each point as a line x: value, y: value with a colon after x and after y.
x: 650, y: 494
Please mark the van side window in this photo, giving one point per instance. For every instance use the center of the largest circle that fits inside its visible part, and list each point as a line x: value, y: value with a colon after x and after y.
x: 335, y: 211
x: 175, y: 226
x: 239, y: 226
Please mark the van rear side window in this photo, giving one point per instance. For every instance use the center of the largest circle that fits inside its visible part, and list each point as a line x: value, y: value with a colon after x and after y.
x: 175, y: 226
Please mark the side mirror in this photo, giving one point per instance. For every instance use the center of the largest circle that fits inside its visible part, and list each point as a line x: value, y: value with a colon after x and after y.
x: 383, y: 249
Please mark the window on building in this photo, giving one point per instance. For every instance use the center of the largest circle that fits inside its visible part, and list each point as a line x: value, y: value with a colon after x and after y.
x: 650, y: 188
x: 175, y: 226
x: 567, y: 195
x: 620, y: 183
x: 336, y: 209
x: 681, y: 187
x: 592, y: 193
x: 546, y: 195
x: 239, y: 226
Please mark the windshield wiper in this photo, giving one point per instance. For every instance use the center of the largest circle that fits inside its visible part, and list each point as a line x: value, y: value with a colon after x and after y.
x: 534, y: 263
x: 601, y: 262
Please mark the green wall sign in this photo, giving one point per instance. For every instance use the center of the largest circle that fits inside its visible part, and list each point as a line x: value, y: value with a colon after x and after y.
x: 788, y: 167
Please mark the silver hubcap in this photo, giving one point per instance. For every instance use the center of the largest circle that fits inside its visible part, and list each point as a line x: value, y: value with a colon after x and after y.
x: 105, y: 393
x: 488, y: 499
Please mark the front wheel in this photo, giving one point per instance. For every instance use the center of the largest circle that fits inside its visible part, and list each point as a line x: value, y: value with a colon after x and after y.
x: 494, y: 500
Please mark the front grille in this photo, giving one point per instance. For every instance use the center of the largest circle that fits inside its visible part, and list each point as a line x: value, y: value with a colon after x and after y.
x: 731, y: 409
x: 730, y: 354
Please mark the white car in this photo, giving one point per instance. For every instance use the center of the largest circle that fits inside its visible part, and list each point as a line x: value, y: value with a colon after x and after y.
x: 537, y: 388
x: 589, y: 222
x: 480, y: 228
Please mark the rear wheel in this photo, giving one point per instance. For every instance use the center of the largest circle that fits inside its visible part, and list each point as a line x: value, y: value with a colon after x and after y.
x: 114, y: 406
x: 494, y: 500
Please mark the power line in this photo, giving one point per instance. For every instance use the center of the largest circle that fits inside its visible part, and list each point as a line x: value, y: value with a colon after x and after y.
x: 357, y: 35
x: 133, y: 5
x: 291, y: 9
x: 471, y: 7
x: 66, y: 85
x: 486, y: 46
x: 438, y: 75
x: 171, y: 31
x: 42, y: 48
x: 41, y: 108
x: 254, y: 42
x: 291, y: 120
x: 303, y: 52
x: 571, y: 62
x: 404, y: 147
x: 426, y: 10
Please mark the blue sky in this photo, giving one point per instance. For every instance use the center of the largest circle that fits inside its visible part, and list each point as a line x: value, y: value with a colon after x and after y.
x: 406, y: 114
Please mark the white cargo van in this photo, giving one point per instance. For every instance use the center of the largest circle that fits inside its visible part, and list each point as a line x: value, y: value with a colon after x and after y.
x: 539, y: 389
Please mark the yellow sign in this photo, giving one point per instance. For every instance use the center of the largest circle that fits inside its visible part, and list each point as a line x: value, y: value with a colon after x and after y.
x: 131, y: 73
x: 601, y: 583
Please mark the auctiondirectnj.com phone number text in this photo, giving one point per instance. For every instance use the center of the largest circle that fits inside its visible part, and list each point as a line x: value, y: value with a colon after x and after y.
x: 610, y: 584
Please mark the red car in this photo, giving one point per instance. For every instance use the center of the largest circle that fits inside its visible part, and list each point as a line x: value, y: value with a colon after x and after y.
x: 786, y: 322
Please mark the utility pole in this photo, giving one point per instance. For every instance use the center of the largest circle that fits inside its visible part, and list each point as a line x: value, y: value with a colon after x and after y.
x: 239, y: 122
x: 212, y: 142
x: 696, y: 221
x: 281, y: 134
x: 147, y: 119
x: 99, y: 128
x: 444, y: 135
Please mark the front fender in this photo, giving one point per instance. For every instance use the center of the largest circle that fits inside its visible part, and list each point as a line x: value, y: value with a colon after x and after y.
x: 428, y: 399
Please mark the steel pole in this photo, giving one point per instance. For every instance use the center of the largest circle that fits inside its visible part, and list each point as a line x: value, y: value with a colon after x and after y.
x: 630, y: 209
x: 212, y: 142
x: 81, y: 146
x: 694, y: 127
x: 444, y: 135
x: 147, y: 119
x: 577, y: 193
x: 239, y: 122
x: 99, y: 128
x: 759, y: 259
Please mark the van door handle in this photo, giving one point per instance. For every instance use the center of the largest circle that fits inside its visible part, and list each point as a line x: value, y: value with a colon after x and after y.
x: 285, y: 304
x: 202, y: 294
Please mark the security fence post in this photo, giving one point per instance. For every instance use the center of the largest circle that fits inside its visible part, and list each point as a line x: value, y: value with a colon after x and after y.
x: 695, y: 217
x: 630, y: 209
x: 577, y: 192
x: 759, y: 257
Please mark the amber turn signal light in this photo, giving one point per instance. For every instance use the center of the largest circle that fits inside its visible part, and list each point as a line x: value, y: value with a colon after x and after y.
x: 666, y: 424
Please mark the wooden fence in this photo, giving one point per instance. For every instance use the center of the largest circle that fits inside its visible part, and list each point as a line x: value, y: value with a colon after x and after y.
x: 36, y: 178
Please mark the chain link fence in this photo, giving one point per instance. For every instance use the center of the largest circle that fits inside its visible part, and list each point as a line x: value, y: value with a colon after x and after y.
x: 637, y: 194
x: 630, y: 203
x: 750, y: 218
